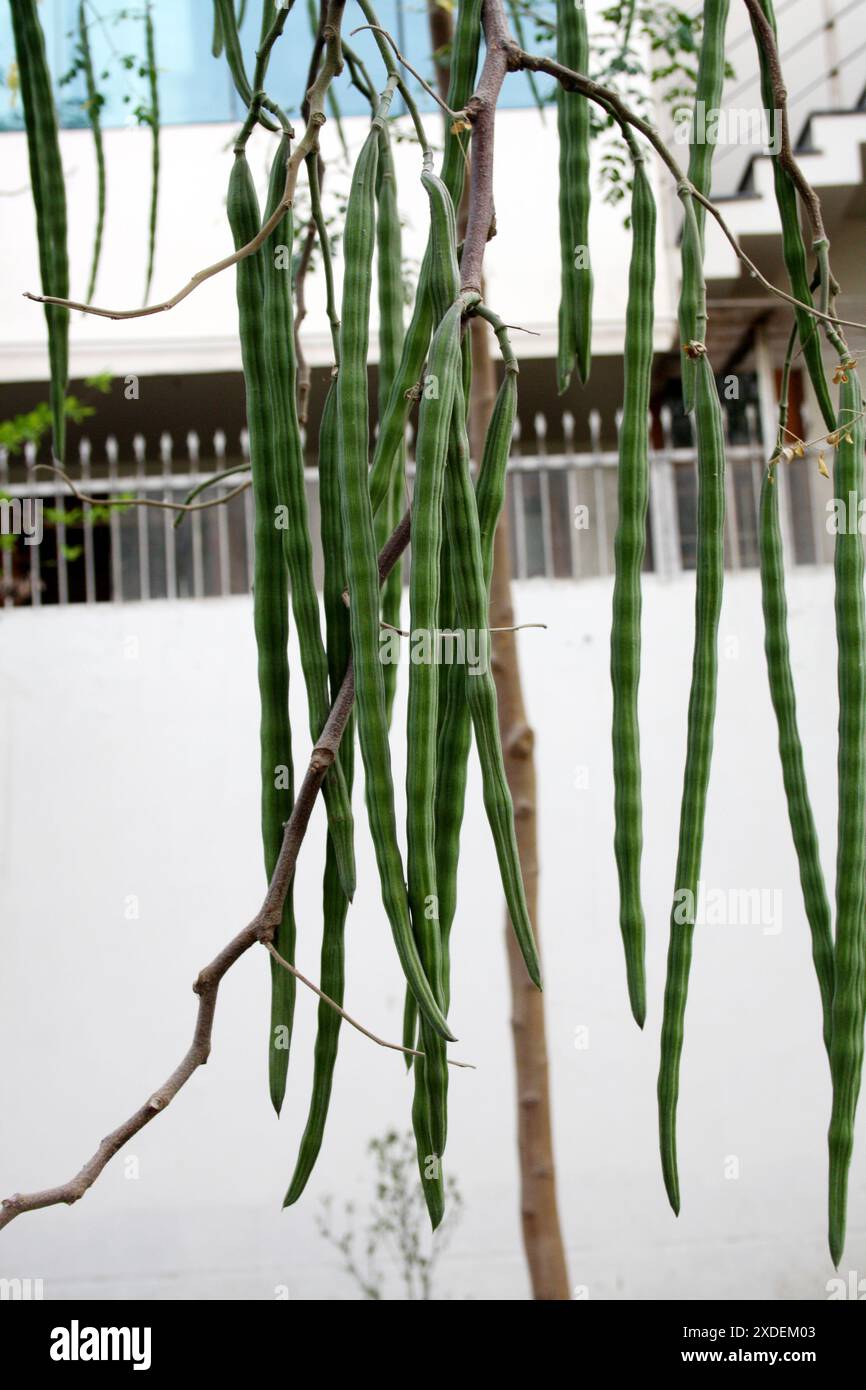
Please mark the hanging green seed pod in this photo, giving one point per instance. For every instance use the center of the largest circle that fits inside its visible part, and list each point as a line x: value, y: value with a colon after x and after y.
x: 270, y: 604
x: 392, y: 426
x: 455, y: 721
x: 708, y: 99
x: 389, y: 266
x: 793, y: 248
x: 153, y: 121
x: 335, y: 903
x: 292, y: 522
x: 429, y: 1111
x: 472, y: 603
x: 362, y: 571
x: 226, y: 22
x: 781, y: 681
x: 702, y: 707
x: 216, y: 47
x: 93, y: 107
x: 849, y: 999
x: 573, y: 122
x: 629, y: 547
x: 422, y: 719
x: 49, y: 199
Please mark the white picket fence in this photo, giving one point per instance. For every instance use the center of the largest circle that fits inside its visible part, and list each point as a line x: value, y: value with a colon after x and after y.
x: 562, y: 510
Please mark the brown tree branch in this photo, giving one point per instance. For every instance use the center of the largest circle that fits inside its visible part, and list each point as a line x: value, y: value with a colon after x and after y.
x: 303, y: 366
x: 441, y: 30
x: 766, y: 38
x: 539, y: 1215
x: 519, y: 60
x: 542, y: 1237
x: 263, y: 926
x: 332, y: 65
x: 205, y: 986
x: 260, y: 929
x: 481, y: 111
x: 503, y: 56
x: 377, y: 29
x: 140, y: 501
x: 374, y: 1037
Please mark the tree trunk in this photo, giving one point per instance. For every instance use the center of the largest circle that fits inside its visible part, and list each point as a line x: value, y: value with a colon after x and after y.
x: 542, y: 1238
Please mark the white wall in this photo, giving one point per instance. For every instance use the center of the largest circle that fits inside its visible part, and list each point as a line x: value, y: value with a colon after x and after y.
x: 200, y: 334
x: 824, y: 70
x: 126, y: 775
x: 522, y: 261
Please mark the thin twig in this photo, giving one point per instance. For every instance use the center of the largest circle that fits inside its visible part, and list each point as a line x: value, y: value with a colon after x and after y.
x: 210, y: 482
x: 318, y: 215
x: 765, y: 36
x: 377, y: 29
x: 260, y: 929
x: 206, y: 987
x: 455, y: 632
x: 519, y: 60
x: 303, y: 366
x: 331, y: 67
x: 143, y: 501
x: 263, y: 926
x: 503, y: 56
x: 393, y: 71
x: 374, y: 1037
x: 481, y: 112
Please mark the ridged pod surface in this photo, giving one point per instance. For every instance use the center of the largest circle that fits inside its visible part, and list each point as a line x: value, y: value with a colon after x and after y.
x: 389, y: 267
x: 573, y: 123
x: 443, y: 286
x: 334, y: 901
x: 455, y: 721
x: 708, y: 99
x: 781, y: 680
x: 154, y: 123
x: 422, y: 721
x: 392, y: 425
x: 702, y: 708
x: 49, y: 198
x: 93, y: 109
x: 226, y: 25
x: 270, y: 604
x: 444, y: 369
x: 293, y: 523
x: 362, y: 571
x: 793, y: 247
x: 473, y: 611
x: 849, y: 1001
x: 629, y: 547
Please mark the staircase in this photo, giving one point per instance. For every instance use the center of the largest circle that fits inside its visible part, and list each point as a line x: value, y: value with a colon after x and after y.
x: 830, y: 152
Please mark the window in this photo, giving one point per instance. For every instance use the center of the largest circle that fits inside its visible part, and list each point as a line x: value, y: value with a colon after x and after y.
x: 195, y: 87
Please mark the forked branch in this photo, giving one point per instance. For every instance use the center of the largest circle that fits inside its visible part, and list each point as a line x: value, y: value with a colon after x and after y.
x: 260, y: 929
x: 503, y: 55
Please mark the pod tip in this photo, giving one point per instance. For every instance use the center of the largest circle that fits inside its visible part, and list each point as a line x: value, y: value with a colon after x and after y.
x: 637, y: 1001
x: 672, y: 1186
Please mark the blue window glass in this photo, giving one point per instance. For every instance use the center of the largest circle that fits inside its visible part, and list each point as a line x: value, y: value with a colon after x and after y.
x: 195, y: 87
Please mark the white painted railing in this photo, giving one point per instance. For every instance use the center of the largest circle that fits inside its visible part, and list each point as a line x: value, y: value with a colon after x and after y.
x: 562, y: 512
